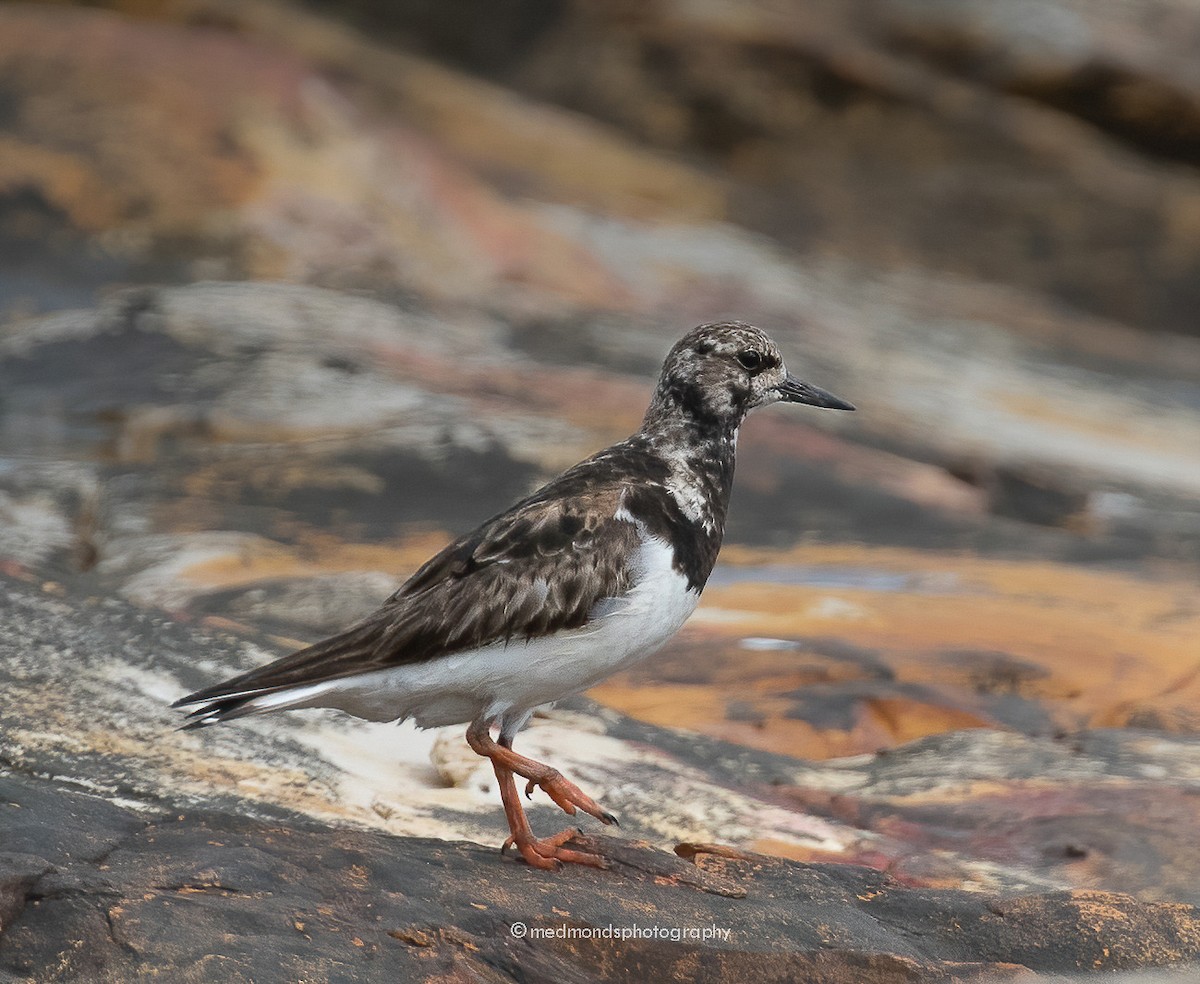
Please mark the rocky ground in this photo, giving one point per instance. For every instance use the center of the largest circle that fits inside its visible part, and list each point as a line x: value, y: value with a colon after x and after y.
x: 132, y: 850
x: 119, y: 885
x: 288, y: 300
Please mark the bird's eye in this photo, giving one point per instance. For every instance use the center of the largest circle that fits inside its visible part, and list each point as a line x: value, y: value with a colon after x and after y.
x: 751, y: 360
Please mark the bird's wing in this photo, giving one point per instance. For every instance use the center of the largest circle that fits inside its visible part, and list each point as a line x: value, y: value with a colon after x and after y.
x: 538, y: 568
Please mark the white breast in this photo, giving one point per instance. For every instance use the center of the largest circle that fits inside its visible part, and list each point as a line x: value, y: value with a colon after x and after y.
x: 510, y: 678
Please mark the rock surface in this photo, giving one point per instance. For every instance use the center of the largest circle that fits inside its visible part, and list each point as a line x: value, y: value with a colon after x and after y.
x: 1049, y: 145
x: 221, y: 451
x: 952, y: 637
x: 131, y: 849
x: 114, y: 895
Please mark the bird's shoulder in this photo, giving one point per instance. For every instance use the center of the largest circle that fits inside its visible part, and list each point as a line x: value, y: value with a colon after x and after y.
x: 579, y: 512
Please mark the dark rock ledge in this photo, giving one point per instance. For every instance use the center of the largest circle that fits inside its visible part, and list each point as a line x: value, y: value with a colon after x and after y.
x: 90, y: 890
x: 152, y: 879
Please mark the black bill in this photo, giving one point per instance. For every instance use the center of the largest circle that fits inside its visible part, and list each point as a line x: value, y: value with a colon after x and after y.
x: 797, y: 391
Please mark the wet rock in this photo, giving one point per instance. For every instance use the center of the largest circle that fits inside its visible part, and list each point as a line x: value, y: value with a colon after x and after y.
x: 235, y: 408
x: 88, y: 683
x: 1003, y: 142
x: 267, y: 474
x: 282, y: 172
x: 1032, y: 496
x: 1096, y: 819
x: 838, y: 654
x: 528, y: 222
x: 216, y: 896
x: 263, y: 460
x: 320, y: 605
x: 1126, y: 71
x: 88, y: 687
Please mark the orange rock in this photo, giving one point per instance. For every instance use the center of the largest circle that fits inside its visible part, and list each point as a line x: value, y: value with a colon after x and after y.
x: 952, y: 642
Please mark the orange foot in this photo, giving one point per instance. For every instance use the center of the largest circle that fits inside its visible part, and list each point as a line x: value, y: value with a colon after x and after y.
x: 568, y: 796
x: 547, y: 852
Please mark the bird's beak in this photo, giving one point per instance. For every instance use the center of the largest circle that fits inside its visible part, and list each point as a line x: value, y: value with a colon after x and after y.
x: 795, y: 390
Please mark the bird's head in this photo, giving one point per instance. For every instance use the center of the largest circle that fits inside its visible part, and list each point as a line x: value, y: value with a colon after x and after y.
x: 718, y: 373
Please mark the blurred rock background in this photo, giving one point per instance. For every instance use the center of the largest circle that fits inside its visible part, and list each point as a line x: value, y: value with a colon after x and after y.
x: 292, y: 293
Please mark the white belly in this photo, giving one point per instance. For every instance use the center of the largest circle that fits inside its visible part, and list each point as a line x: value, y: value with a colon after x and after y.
x: 507, y: 679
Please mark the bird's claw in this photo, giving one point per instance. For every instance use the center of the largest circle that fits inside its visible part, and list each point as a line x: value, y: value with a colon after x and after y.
x: 568, y: 796
x: 548, y: 852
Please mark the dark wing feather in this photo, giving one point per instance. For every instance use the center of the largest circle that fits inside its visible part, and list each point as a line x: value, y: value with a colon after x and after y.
x: 538, y: 568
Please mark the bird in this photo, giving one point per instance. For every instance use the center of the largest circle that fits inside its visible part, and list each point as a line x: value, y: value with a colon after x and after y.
x: 582, y: 578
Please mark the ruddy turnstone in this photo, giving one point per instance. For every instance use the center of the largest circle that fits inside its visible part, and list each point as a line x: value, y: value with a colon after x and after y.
x: 589, y: 574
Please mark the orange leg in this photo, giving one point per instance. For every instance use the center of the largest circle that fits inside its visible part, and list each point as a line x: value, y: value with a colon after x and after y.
x: 547, y: 851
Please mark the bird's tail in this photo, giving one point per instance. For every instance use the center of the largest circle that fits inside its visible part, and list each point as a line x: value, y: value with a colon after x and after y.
x: 293, y: 681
